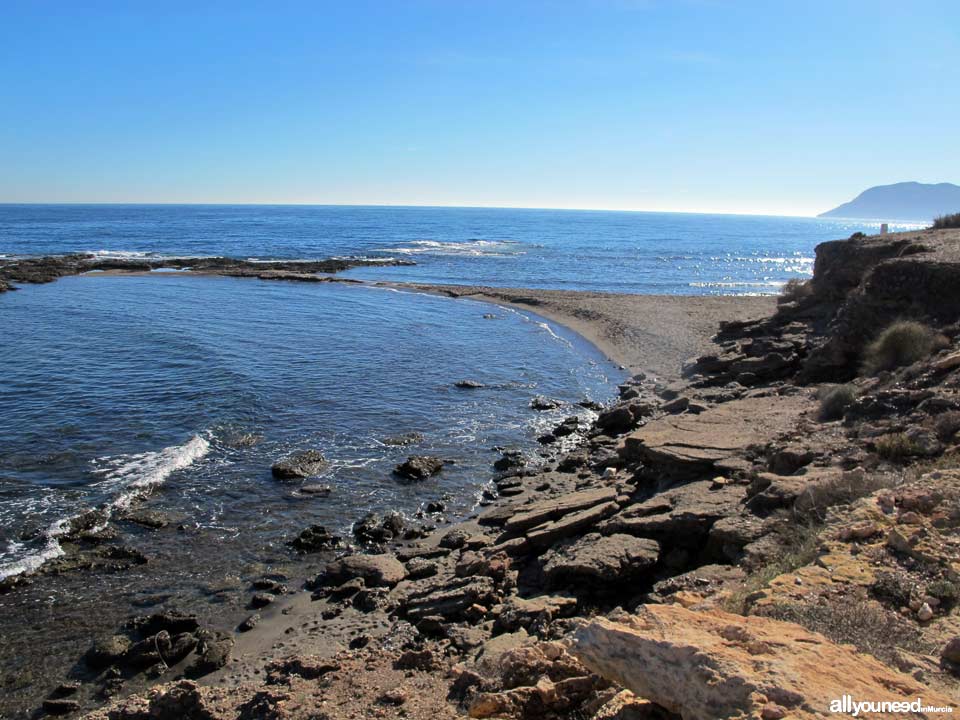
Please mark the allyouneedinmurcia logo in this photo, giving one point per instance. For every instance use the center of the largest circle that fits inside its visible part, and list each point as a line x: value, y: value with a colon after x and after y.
x: 849, y: 706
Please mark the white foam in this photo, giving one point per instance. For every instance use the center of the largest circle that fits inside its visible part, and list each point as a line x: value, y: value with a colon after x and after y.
x: 133, y: 475
x: 475, y: 248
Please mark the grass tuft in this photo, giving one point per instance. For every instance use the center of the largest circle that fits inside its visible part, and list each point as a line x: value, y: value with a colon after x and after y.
x: 795, y: 289
x: 903, y: 342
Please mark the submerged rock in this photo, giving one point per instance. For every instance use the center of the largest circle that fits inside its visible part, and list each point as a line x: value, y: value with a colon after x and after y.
x: 544, y: 403
x: 300, y: 465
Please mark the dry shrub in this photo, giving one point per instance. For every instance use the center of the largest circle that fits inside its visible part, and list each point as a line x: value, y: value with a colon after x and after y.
x: 816, y: 499
x: 795, y: 289
x: 903, y: 342
x: 947, y: 424
x: 835, y: 400
x: 943, y: 222
x: 897, y: 447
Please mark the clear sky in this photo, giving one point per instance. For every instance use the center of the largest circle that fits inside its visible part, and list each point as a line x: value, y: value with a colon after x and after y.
x: 782, y: 107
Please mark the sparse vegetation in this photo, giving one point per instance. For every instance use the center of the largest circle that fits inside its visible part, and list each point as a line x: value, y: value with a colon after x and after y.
x: 947, y: 424
x: 903, y: 342
x: 795, y: 289
x: 946, y: 221
x: 835, y: 400
x: 897, y: 447
x: 801, y: 544
x: 858, y: 236
x: 866, y: 625
x: 817, y: 498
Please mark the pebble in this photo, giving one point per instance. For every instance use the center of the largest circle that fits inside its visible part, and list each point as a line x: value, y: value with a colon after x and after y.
x: 924, y: 613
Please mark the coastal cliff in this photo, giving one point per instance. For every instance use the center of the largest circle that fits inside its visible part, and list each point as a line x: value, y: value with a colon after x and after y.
x: 775, y: 530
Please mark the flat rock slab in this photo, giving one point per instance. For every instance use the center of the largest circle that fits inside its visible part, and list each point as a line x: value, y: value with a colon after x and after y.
x: 540, y: 512
x: 697, y: 442
x: 373, y: 569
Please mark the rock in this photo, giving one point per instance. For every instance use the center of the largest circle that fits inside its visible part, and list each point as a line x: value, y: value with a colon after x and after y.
x: 309, y: 667
x: 518, y: 612
x: 375, y: 529
x: 410, y: 438
x: 542, y: 403
x: 375, y: 570
x: 315, y: 539
x: 316, y: 489
x: 468, y: 384
x: 616, y: 420
x: 542, y: 511
x: 419, y: 467
x: 250, y: 623
x: 454, y: 539
x: 571, y: 524
x: 213, y: 653
x: 299, y: 465
x: 452, y: 600
x: 951, y: 651
x: 60, y: 706
x: 420, y: 568
x: 677, y: 405
x: 925, y: 613
x: 788, y: 460
x: 261, y: 600
x: 740, y: 664
x: 147, y: 518
x: 568, y: 427
x: 396, y: 696
x: 684, y: 445
x: 595, y: 560
x: 510, y: 460
x: 108, y: 651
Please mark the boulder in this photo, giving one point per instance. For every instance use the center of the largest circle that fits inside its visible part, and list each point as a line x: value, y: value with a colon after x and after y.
x: 419, y: 467
x: 468, y: 384
x: 300, y: 465
x: 410, y: 438
x: 374, y: 570
x: 315, y: 539
x: 595, y: 560
x: 713, y: 664
x: 544, y: 403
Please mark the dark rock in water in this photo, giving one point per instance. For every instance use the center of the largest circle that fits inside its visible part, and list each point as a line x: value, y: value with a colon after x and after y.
x: 213, y: 653
x: 108, y: 651
x: 489, y: 316
x: 261, y: 600
x: 171, y: 622
x: 147, y: 518
x: 300, y: 465
x: 410, y: 438
x: 468, y: 384
x: 590, y: 405
x: 419, y: 467
x: 569, y: 426
x: 60, y: 706
x: 544, y: 403
x: 315, y: 489
x: 547, y: 439
x: 510, y: 460
x: 315, y: 539
x: 250, y: 623
x: 435, y: 507
x: 374, y: 529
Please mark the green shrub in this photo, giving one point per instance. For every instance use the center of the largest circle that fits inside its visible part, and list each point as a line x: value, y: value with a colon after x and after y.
x: 901, y: 343
x: 946, y: 592
x: 946, y: 221
x: 897, y: 447
x: 835, y: 400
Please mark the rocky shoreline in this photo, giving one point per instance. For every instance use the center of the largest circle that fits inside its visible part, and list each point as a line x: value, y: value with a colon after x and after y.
x: 775, y: 529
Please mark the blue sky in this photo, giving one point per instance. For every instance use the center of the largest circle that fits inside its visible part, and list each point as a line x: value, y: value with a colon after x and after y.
x: 702, y: 105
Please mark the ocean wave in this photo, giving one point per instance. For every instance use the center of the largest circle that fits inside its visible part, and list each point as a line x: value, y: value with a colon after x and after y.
x: 723, y: 284
x: 474, y: 247
x: 131, y: 475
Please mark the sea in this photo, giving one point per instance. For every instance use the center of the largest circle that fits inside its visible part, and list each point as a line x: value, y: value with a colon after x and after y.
x: 176, y: 394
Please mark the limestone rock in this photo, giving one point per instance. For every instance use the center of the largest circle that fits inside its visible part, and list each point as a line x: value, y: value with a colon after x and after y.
x: 374, y: 570
x: 713, y: 664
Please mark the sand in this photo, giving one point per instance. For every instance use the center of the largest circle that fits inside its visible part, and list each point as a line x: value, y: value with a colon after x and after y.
x: 654, y: 334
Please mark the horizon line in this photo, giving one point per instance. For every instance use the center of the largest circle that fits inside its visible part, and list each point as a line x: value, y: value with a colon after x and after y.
x: 406, y: 205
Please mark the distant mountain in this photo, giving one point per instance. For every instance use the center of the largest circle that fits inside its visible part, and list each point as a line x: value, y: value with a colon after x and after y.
x: 906, y: 201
